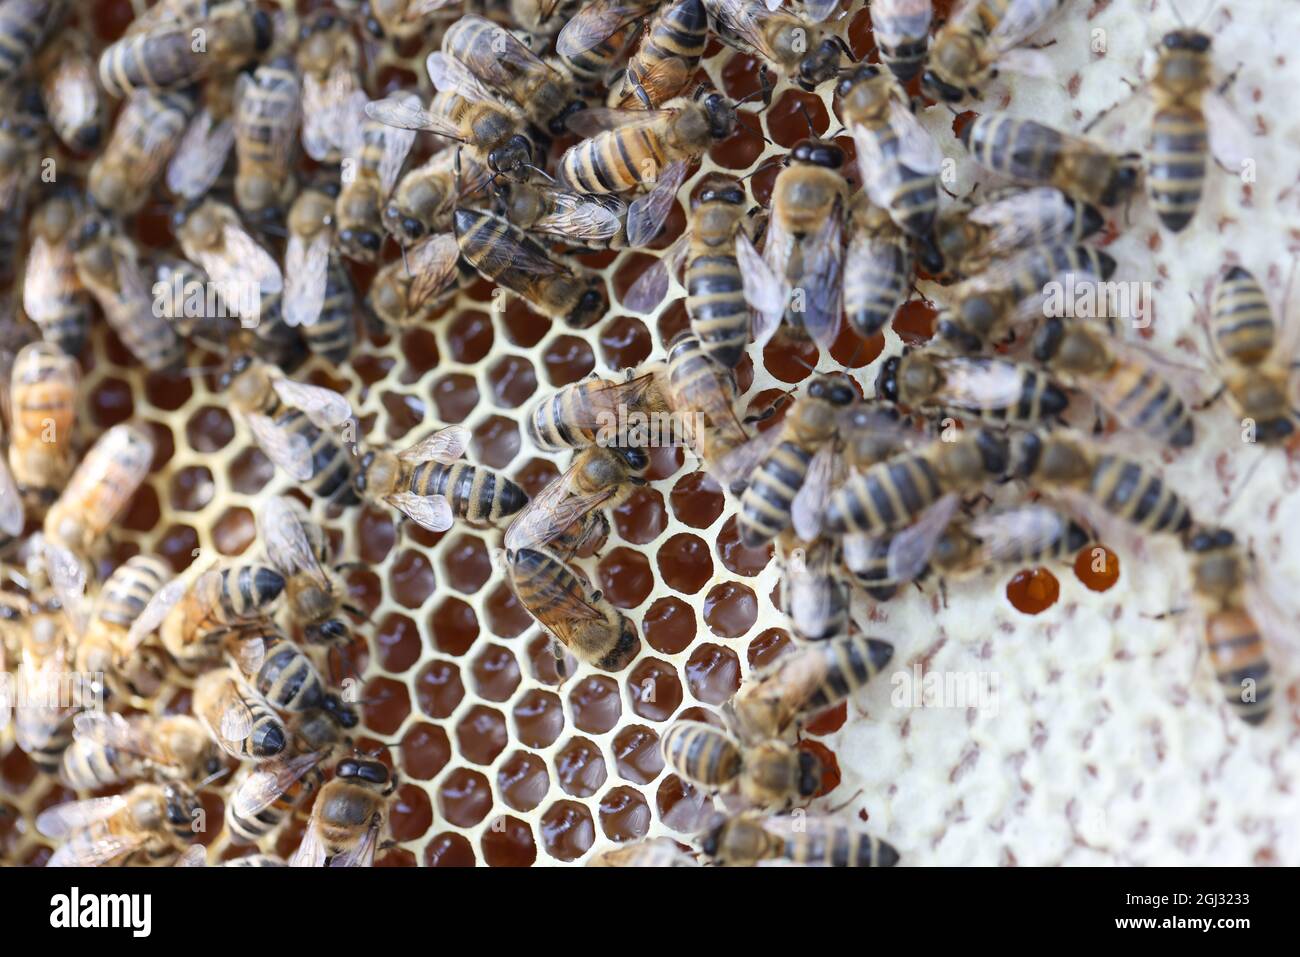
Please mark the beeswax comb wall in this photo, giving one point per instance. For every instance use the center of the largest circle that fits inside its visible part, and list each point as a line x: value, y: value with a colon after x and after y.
x: 1105, y: 740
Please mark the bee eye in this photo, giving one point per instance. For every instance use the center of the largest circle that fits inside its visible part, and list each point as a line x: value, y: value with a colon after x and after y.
x: 412, y: 227
x: 348, y: 768
x: 369, y: 240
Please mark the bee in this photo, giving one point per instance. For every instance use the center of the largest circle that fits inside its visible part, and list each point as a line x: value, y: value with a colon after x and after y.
x: 806, y: 54
x: 702, y: 394
x: 318, y: 295
x: 1243, y: 338
x: 1031, y: 154
x: 804, y: 682
x: 43, y: 727
x: 25, y: 25
x: 70, y: 91
x: 508, y: 68
x: 43, y: 400
x: 988, y: 306
x: 719, y: 292
x: 266, y: 131
x: 406, y: 293
x: 53, y: 296
x: 284, y: 676
x: 747, y: 840
x: 204, y: 151
x: 108, y: 749
x: 877, y: 267
x: 593, y: 69
x: 651, y: 852
x: 980, y: 39
x: 464, y: 113
x: 595, y: 23
x: 1122, y: 379
x: 403, y: 19
x: 897, y: 158
x: 348, y: 816
x: 581, y: 414
x: 269, y: 792
x: 101, y: 487
x: 902, y: 32
x: 193, y: 617
x: 1065, y: 465
x: 373, y: 162
x: 294, y: 424
x: 23, y: 135
x: 237, y: 718
x: 1239, y: 617
x: 770, y: 774
x: 964, y: 242
x: 329, y: 59
x: 509, y: 257
x: 803, y: 255
x: 985, y: 388
x: 145, y: 136
x: 576, y: 219
x: 423, y: 200
x: 108, y: 265
x: 427, y: 484
x: 667, y: 56
x: 150, y: 823
x: 814, y: 596
x: 300, y: 550
x: 165, y: 56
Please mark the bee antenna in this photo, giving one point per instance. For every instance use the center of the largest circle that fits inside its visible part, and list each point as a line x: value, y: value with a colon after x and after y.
x: 848, y: 50
x: 214, y: 776
x: 537, y: 169
x: 812, y: 130
x: 644, y: 97
x: 405, y: 265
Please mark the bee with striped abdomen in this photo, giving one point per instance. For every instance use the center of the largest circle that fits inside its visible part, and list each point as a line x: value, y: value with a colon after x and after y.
x: 579, y: 415
x: 149, y: 824
x: 372, y: 162
x: 130, y: 670
x: 70, y: 90
x: 427, y: 484
x: 748, y: 840
x: 267, y: 112
x: 768, y: 775
x: 902, y: 32
x: 651, y: 852
x: 405, y: 293
x: 667, y: 56
x: 329, y: 59
x: 702, y: 395
x: 101, y: 487
x: 348, y: 816
x: 598, y: 22
x: 982, y: 38
x: 108, y: 749
x: 24, y: 133
x: 585, y: 220
x: 806, y: 54
x: 269, y: 792
x: 146, y: 134
x: 878, y: 267
x: 813, y: 594
x: 53, y: 295
x: 25, y: 25
x: 318, y: 296
x: 42, y: 408
x: 43, y: 722
x: 283, y: 674
x: 424, y: 198
x: 985, y: 388
x: 237, y: 718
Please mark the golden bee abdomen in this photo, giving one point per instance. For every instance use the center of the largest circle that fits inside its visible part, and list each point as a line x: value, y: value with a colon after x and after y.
x: 1240, y: 662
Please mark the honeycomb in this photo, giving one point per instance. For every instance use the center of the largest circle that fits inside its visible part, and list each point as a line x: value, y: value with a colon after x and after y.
x: 1108, y: 742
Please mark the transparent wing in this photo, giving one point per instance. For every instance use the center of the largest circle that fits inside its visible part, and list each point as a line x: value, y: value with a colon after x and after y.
x: 446, y: 446
x: 326, y: 110
x: 62, y: 819
x: 809, y: 505
x: 428, y: 511
x: 1230, y: 139
x: 979, y: 381
x: 652, y: 285
x: 111, y: 730
x: 910, y: 550
x: 1022, y: 19
x: 361, y: 854
x: 811, y: 589
x: 738, y: 464
x: 434, y: 264
x: 1040, y: 214
x: 67, y: 576
x: 47, y: 281
x: 249, y: 653
x: 400, y: 113
x: 591, y: 122
x: 306, y: 268
x: 397, y: 144
x: 324, y: 407
x: 155, y: 611
x: 597, y: 22
x: 1026, y: 62
x: 310, y: 852
x: 11, y: 505
x: 287, y: 450
x: 818, y: 10
x: 917, y: 149
x: 764, y: 289
x: 268, y: 782
x: 822, y: 282
x: 553, y: 510
x: 280, y: 527
x: 582, y: 218
x: 449, y: 75
x: 86, y: 849
x: 196, y: 855
x: 895, y: 22
x: 201, y: 155
x: 245, y: 261
x: 1007, y: 534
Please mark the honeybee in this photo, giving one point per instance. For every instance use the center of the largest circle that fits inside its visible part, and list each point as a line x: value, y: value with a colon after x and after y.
x: 877, y: 267
x: 101, y: 486
x: 403, y: 19
x: 205, y: 148
x: 266, y: 131
x: 701, y: 391
x: 43, y: 727
x: 513, y: 260
x: 149, y: 823
x: 318, y: 294
x: 575, y: 219
x: 986, y: 307
x: 348, y: 816
x: 1122, y: 379
x: 193, y: 617
x: 406, y: 293
x: 902, y: 32
x: 237, y: 718
x: 667, y: 56
x: 105, y: 646
x: 294, y: 424
x: 70, y: 91
x: 595, y: 68
x: 596, y: 22
x: 651, y: 852
x: 108, y: 749
x: 464, y: 113
x: 300, y: 550
x: 1239, y: 617
x: 986, y: 388
x: 42, y: 399
x: 747, y: 840
x: 269, y: 792
x: 965, y: 241
x: 375, y: 155
x: 803, y: 255
x: 719, y: 292
x: 897, y: 158
x: 1252, y: 359
x: 23, y: 134
x: 249, y: 279
x: 804, y: 682
x: 165, y: 56
x: 53, y: 296
x: 806, y: 54
x: 282, y: 673
x: 328, y: 58
x: 813, y: 594
x: 25, y: 25
x: 108, y: 265
x: 582, y: 413
x: 1099, y: 483
x: 147, y: 133
x: 770, y: 774
x: 1031, y: 154
x: 980, y: 39
x: 427, y: 484
x: 424, y: 198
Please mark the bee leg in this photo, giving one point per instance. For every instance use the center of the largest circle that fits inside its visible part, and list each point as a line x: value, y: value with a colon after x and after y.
x: 1206, y: 403
x: 1087, y: 127
x: 561, y: 662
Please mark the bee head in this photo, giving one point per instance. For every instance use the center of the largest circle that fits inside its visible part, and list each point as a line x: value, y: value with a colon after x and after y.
x: 1211, y: 539
x: 364, y: 243
x: 995, y: 452
x: 263, y: 30
x: 363, y: 770
x: 331, y: 630
x: 342, y: 715
x: 1124, y: 180
x: 887, y: 381
x: 810, y: 774
x: 721, y: 115
x: 180, y: 806
x: 820, y: 65
x: 860, y: 74
x: 940, y: 89
x: 591, y: 306
x: 559, y: 123
x: 517, y: 152
x: 833, y: 389
x: 720, y: 188
x: 815, y: 152
x: 1192, y: 40
x: 928, y: 254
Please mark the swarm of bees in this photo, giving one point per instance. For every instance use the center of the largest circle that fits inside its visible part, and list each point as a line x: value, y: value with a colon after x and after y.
x: 310, y: 206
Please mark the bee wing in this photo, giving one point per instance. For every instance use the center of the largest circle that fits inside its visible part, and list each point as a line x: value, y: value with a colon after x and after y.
x: 739, y: 463
x: 324, y: 407
x: 62, y: 819
x: 646, y: 214
x: 869, y: 255
x: 201, y: 156
x: 584, y: 217
x: 747, y: 21
x: 82, y: 849
x: 400, y: 113
x: 809, y: 505
x: 651, y: 286
x: 361, y: 854
x: 1021, y: 20
x: 310, y: 852
x: 764, y: 290
x: 249, y: 653
x: 428, y: 511
x: 525, y: 258
x: 897, y: 21
x: 280, y: 526
x: 1230, y: 138
x: 449, y: 75
x: 306, y: 268
x: 67, y: 575
x: 1037, y: 215
x: 1273, y: 615
x: 236, y: 717
x: 288, y: 450
x: 434, y: 263
x: 910, y: 550
x: 446, y: 446
x: 47, y: 280
x: 553, y: 510
x: 154, y: 612
x: 196, y: 855
x: 326, y: 109
x: 111, y: 730
x: 397, y: 144
x: 245, y: 261
x: 817, y: 11
x: 598, y: 119
x: 1006, y: 534
x: 669, y: 76
x: 811, y: 590
x: 268, y: 781
x: 1026, y: 62
x: 11, y: 505
x: 917, y: 149
x: 822, y: 282
x: 493, y: 50
x: 597, y: 22
x: 980, y: 381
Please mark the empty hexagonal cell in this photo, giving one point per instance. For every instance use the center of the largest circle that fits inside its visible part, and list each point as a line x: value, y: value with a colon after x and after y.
x: 684, y: 563
x: 508, y: 842
x: 513, y: 381
x: 624, y: 814
x: 625, y: 577
x: 642, y: 518
x: 637, y: 757
x: 567, y: 830
x: 523, y: 780
x: 713, y: 673
x: 595, y: 703
x: 454, y: 626
x: 409, y: 813
x: 449, y: 849
x: 466, y: 564
x: 455, y: 397
x: 234, y: 531
x: 209, y: 430
x: 411, y: 579
x: 464, y: 798
x: 730, y: 609
x: 580, y: 768
x: 669, y: 625
x: 385, y: 705
x: 397, y: 643
x: 425, y: 751
x: 654, y: 689
x: 567, y: 359
x: 539, y: 719
x: 438, y: 689
x: 481, y: 734
x: 496, y: 673
x: 496, y: 442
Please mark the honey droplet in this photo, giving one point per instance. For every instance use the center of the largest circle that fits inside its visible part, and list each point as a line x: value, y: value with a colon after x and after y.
x: 637, y: 755
x: 596, y: 704
x: 580, y: 768
x: 1097, y: 567
x: 669, y: 625
x: 464, y: 798
x: 1033, y: 592
x: 449, y: 850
